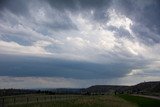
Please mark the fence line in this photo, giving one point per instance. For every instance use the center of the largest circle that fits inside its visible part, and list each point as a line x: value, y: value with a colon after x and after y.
x: 4, y: 101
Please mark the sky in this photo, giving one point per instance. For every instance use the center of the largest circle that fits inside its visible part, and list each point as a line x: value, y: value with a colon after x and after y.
x: 78, y: 43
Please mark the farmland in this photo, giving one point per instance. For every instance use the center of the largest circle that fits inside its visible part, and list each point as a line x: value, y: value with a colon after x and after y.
x: 67, y: 101
x: 42, y: 100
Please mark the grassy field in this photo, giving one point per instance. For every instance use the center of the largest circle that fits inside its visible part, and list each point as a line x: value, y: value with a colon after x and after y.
x: 79, y: 101
x: 141, y: 101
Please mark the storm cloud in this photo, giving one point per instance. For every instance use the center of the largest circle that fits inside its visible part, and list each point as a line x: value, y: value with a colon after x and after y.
x: 82, y: 40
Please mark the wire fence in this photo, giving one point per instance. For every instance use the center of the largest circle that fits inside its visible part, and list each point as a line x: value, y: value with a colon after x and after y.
x: 13, y: 100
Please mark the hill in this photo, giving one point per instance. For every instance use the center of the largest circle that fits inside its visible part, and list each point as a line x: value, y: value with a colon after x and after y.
x: 141, y: 88
x: 106, y: 88
x: 148, y: 88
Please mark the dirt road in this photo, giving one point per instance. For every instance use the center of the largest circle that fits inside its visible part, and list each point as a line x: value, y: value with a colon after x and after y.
x: 147, y: 96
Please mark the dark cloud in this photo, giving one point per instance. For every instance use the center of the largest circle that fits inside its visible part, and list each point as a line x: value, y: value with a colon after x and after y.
x: 145, y: 13
x: 63, y: 4
x: 79, y: 4
x: 18, y: 7
x: 99, y: 7
x: 23, y: 8
x: 35, y: 66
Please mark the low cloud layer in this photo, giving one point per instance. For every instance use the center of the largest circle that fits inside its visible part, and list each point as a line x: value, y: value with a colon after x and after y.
x: 80, y: 39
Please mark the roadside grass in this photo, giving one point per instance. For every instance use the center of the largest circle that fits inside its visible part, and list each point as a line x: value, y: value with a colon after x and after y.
x: 141, y: 101
x: 82, y: 101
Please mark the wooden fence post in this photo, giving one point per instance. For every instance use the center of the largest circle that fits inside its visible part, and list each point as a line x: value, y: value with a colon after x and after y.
x: 27, y: 100
x: 14, y: 100
x: 37, y: 99
x: 51, y: 98
x: 2, y: 102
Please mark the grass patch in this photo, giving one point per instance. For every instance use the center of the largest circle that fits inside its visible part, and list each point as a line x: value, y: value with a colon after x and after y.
x: 141, y: 101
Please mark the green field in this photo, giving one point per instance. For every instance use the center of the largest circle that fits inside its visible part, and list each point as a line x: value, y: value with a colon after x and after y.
x: 141, y: 101
x: 73, y: 101
x: 80, y: 101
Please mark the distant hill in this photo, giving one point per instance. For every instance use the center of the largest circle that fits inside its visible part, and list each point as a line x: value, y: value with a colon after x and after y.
x: 149, y: 88
x: 106, y: 88
x: 66, y: 90
x: 145, y: 87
